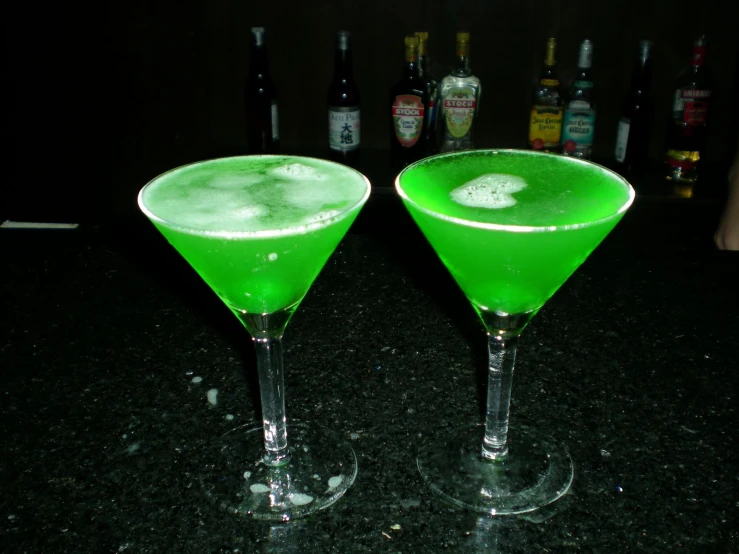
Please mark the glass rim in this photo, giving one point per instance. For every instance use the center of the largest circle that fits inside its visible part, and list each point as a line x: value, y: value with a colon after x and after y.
x: 263, y: 233
x: 510, y: 227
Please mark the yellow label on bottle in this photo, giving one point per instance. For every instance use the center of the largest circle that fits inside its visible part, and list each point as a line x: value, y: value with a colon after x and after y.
x: 545, y: 127
x: 550, y: 82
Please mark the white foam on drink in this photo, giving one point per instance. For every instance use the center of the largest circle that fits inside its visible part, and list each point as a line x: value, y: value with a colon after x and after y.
x: 492, y: 191
x: 232, y: 181
x: 255, y: 195
x: 320, y: 216
x: 300, y: 499
x: 298, y: 172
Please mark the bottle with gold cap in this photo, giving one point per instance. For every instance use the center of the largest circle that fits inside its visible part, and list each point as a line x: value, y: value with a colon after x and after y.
x: 547, y: 106
x: 409, y: 110
x: 460, y: 101
x: 432, y: 89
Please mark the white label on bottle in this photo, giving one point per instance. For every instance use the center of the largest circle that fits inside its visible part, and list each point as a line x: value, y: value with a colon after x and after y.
x: 343, y: 128
x: 275, y: 123
x: 622, y: 138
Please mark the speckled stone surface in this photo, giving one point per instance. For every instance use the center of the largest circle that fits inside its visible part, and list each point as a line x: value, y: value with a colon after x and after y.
x: 632, y: 364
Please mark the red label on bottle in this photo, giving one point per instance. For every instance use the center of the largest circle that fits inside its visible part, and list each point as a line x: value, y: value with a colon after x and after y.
x: 695, y: 113
x: 407, y: 113
x: 699, y: 55
x: 695, y: 93
x: 459, y: 103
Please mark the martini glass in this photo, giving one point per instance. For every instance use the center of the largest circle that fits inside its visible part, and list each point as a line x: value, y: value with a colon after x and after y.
x: 511, y: 227
x: 258, y: 230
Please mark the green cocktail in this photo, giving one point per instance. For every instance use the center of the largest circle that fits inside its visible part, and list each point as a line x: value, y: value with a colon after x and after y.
x: 258, y: 230
x: 511, y: 227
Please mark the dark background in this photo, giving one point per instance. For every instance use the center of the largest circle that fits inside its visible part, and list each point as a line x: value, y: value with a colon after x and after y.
x: 99, y: 99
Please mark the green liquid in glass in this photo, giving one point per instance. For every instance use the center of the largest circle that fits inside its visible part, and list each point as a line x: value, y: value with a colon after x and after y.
x: 258, y: 229
x: 511, y: 260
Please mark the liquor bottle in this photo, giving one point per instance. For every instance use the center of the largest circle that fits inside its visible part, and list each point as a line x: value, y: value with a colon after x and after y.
x: 343, y: 106
x: 637, y: 112
x: 686, y: 134
x: 460, y: 101
x: 432, y: 90
x: 260, y: 99
x: 578, y: 125
x: 409, y: 110
x: 547, y: 109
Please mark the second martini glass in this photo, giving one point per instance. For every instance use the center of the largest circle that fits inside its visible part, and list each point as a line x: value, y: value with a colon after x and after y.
x: 258, y: 230
x: 510, y: 226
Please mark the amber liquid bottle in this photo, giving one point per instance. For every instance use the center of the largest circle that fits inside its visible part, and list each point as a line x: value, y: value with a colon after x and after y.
x: 547, y: 106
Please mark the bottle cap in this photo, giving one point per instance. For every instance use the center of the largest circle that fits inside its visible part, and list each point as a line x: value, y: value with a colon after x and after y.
x: 585, y: 60
x: 257, y: 34
x: 423, y: 36
x: 551, y: 57
x: 343, y: 40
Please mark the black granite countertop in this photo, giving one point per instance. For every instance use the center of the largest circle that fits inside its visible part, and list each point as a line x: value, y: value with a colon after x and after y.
x: 632, y: 364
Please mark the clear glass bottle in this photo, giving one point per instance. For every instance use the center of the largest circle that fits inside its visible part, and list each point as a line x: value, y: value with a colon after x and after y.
x: 460, y: 101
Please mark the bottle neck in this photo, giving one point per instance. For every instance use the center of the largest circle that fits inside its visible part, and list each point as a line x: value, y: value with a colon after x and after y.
x: 343, y: 63
x: 549, y: 72
x: 462, y: 63
x: 698, y: 56
x: 259, y: 66
x: 641, y: 76
x: 411, y: 68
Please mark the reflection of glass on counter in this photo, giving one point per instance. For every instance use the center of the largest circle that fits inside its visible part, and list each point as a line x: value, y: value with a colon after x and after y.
x: 683, y: 190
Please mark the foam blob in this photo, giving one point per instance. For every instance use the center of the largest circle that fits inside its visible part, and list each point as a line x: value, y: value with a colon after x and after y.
x: 300, y: 499
x: 492, y: 191
x: 297, y: 172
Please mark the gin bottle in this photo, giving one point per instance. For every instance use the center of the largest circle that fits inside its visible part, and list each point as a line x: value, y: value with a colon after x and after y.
x: 460, y: 101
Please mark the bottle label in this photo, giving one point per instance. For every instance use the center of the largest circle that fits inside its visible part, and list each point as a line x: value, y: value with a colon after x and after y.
x: 622, y: 138
x: 459, y: 111
x: 275, y: 123
x: 578, y: 129
x: 343, y: 128
x: 408, y: 112
x: 691, y: 106
x: 698, y: 56
x: 545, y: 126
x: 550, y: 82
x: 583, y: 84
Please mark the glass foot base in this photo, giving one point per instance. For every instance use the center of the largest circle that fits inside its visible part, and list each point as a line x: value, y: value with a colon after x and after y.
x: 320, y: 470
x: 535, y: 472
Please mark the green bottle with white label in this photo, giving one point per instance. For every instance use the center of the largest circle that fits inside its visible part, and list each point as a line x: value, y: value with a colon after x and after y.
x: 578, y: 125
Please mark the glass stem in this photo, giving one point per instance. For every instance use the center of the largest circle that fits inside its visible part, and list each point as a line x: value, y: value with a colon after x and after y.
x: 272, y: 392
x: 502, y: 358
